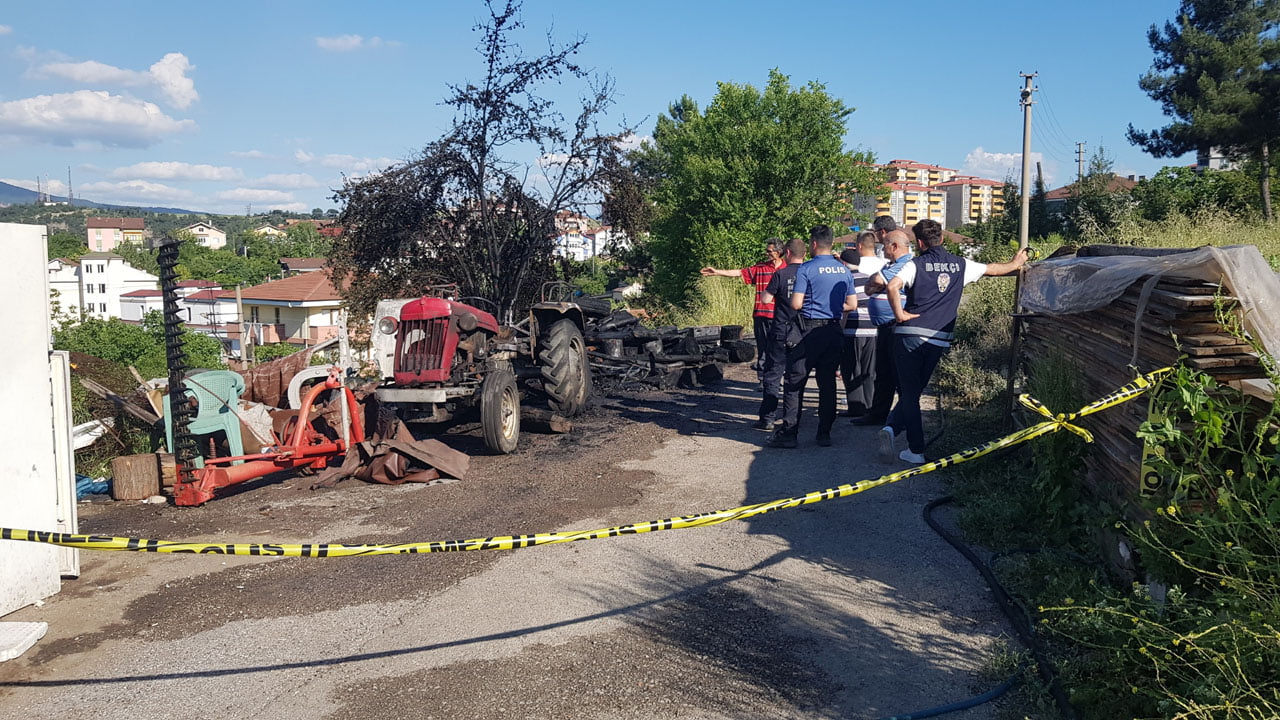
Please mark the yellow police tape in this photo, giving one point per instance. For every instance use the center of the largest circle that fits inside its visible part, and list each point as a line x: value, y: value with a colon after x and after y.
x: 1053, y: 424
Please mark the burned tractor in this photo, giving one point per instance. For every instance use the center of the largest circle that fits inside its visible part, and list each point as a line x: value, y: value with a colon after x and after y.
x: 440, y: 357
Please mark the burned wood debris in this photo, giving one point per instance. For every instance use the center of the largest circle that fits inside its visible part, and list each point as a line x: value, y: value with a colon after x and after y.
x: 623, y: 352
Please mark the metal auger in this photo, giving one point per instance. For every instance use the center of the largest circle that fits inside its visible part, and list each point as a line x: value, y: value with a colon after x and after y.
x: 184, y: 449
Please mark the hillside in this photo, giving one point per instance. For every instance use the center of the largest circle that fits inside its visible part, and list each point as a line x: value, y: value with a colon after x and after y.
x: 14, y: 195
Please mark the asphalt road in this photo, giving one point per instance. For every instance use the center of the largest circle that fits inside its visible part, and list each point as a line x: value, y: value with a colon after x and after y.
x: 850, y: 608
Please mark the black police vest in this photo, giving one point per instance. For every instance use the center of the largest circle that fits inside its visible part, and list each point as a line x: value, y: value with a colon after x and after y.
x: 934, y: 295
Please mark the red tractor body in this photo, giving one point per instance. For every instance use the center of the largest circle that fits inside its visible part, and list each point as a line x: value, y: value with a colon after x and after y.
x: 427, y: 338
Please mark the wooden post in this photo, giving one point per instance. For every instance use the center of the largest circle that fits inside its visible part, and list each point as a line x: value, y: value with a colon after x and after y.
x: 135, y: 477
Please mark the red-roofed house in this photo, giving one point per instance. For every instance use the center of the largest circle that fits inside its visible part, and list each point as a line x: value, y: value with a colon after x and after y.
x: 136, y: 304
x: 105, y: 234
x: 304, y: 309
x: 1056, y: 199
x: 294, y: 266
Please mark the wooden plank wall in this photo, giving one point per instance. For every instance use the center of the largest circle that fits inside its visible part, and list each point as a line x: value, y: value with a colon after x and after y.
x: 1101, y: 344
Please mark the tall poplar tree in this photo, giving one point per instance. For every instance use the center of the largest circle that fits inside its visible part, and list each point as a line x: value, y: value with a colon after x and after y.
x: 1215, y: 74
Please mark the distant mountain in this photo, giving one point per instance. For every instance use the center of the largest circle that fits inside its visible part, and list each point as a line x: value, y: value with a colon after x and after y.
x: 14, y: 195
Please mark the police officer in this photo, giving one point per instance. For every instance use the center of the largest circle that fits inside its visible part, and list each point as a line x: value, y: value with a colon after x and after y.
x: 926, y: 322
x: 785, y: 322
x: 823, y: 292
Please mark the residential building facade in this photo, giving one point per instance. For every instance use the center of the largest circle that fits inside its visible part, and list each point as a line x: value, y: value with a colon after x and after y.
x: 972, y: 199
x: 104, y: 234
x: 95, y: 285
x: 208, y: 235
x: 303, y: 310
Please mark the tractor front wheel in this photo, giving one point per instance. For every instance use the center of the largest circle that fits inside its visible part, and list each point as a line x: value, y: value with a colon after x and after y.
x: 566, y: 376
x: 500, y: 411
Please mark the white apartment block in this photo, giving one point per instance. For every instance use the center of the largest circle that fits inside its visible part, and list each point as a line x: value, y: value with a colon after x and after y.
x: 95, y: 284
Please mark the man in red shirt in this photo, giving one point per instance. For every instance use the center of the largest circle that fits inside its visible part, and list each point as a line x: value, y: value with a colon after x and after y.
x: 757, y: 275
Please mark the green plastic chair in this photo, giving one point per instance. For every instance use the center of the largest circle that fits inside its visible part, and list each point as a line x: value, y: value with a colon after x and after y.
x: 217, y: 394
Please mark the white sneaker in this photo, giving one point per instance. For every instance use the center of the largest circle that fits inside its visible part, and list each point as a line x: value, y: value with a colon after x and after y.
x: 913, y: 458
x: 885, y: 438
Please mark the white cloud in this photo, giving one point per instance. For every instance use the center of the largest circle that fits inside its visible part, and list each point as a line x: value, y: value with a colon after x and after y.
x: 288, y: 181
x: 5, y: 29
x: 348, y: 43
x: 247, y: 154
x: 93, y: 116
x: 177, y: 171
x: 168, y: 75
x: 631, y: 141
x: 133, y: 192
x: 288, y: 207
x: 257, y: 196
x: 349, y: 164
x: 998, y: 166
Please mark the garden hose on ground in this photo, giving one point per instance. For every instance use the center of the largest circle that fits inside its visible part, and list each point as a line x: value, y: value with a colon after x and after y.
x: 1020, y: 622
x: 1012, y: 610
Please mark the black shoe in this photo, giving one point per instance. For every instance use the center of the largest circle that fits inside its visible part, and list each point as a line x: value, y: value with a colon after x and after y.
x: 761, y: 424
x: 824, y: 439
x: 868, y: 420
x: 782, y: 440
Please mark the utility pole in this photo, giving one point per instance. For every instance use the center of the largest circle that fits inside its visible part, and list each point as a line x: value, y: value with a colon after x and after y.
x: 70, y: 195
x: 1023, y: 231
x: 1079, y: 161
x: 1026, y: 103
x: 246, y: 342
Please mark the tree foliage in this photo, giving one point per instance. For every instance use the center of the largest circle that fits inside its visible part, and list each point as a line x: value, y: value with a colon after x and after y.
x: 66, y: 245
x: 466, y: 210
x: 1215, y: 74
x: 1097, y: 206
x: 140, y: 346
x: 755, y: 164
x: 1184, y: 191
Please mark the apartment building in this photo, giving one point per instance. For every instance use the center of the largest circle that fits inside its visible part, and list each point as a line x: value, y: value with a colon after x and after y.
x: 971, y: 199
x: 911, y: 172
x: 96, y: 284
x: 103, y: 234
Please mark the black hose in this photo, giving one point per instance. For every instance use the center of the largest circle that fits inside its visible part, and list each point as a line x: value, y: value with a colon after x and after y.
x: 1020, y: 622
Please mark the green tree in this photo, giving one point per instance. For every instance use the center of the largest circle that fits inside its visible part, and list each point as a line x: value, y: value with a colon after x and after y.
x: 1184, y: 191
x: 1004, y: 227
x: 66, y: 245
x: 142, y: 347
x: 1039, y: 223
x: 756, y: 164
x: 1097, y: 206
x: 1215, y: 73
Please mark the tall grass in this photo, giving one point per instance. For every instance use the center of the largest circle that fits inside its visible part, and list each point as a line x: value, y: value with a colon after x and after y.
x: 1209, y: 227
x: 714, y: 301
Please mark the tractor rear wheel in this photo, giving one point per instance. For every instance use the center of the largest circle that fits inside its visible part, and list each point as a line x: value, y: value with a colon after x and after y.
x: 500, y: 411
x: 566, y: 376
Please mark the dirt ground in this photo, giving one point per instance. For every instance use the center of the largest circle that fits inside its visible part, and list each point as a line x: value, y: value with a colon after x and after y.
x: 847, y: 609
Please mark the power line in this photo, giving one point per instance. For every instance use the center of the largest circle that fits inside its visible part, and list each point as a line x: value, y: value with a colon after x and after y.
x: 1054, y: 125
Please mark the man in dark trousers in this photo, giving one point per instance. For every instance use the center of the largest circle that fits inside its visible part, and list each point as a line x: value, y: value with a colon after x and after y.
x: 823, y: 292
x: 784, y: 322
x: 897, y: 253
x: 758, y: 277
x: 933, y: 282
x: 858, y: 356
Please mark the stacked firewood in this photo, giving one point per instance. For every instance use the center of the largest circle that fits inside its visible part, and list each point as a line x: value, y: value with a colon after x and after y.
x: 1132, y: 335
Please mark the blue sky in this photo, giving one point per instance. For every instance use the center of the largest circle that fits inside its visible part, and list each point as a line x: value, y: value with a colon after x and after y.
x: 222, y: 106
